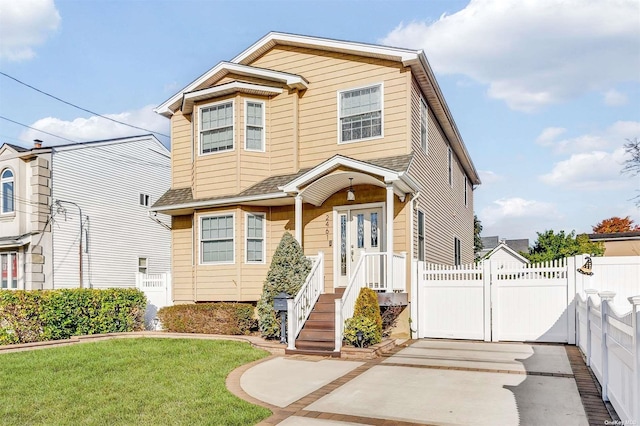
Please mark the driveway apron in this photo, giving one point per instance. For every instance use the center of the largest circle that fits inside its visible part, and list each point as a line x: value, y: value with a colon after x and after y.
x: 429, y: 382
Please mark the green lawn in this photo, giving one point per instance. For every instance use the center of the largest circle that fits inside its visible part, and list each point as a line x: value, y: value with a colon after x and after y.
x: 127, y: 382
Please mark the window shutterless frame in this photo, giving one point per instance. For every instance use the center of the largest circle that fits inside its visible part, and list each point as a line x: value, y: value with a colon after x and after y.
x: 218, y: 125
x: 364, y: 117
x: 254, y: 125
x: 255, y: 238
x: 212, y: 233
x: 9, y: 270
x: 420, y: 235
x: 7, y: 191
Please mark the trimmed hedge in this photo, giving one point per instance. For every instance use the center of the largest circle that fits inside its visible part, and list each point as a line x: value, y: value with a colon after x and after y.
x: 40, y: 315
x: 209, y: 318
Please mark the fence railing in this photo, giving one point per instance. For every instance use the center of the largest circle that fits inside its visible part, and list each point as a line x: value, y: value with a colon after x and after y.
x: 611, y: 344
x: 299, y: 308
x: 157, y: 289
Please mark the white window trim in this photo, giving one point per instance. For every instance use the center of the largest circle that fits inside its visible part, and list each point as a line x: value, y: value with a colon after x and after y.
x: 264, y: 124
x: 424, y: 112
x: 9, y: 276
x: 12, y: 179
x: 147, y: 198
x: 199, y: 126
x: 339, y: 92
x: 455, y: 238
x: 146, y: 264
x: 200, y: 254
x: 424, y: 235
x: 450, y: 166
x: 246, y: 238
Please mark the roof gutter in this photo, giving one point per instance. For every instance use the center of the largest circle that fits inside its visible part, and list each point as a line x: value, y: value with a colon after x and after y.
x: 220, y: 202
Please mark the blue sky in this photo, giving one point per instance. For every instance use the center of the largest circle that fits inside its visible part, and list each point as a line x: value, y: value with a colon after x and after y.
x: 544, y: 92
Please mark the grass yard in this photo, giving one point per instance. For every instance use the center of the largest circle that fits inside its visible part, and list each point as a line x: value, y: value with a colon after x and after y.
x: 127, y: 382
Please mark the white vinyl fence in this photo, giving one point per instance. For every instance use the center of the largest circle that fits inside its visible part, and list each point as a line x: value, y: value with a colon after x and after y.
x: 611, y: 344
x: 157, y: 288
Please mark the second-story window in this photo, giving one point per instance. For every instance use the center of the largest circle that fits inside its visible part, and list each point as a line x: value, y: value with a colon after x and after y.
x: 254, y: 131
x: 216, y: 128
x: 360, y: 113
x: 7, y: 195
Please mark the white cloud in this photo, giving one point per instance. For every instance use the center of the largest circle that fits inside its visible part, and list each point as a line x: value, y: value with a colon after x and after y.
x: 594, y: 171
x: 614, y: 98
x: 97, y: 128
x: 24, y: 25
x: 612, y: 137
x: 533, y: 53
x: 488, y: 177
x: 518, y: 218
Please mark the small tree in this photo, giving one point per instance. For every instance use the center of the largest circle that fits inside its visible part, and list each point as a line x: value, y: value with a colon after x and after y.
x: 632, y: 164
x: 552, y: 246
x: 615, y: 224
x: 366, y: 318
x: 477, y: 240
x: 289, y: 268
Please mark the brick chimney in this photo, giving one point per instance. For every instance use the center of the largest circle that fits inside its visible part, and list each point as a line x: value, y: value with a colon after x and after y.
x: 37, y: 143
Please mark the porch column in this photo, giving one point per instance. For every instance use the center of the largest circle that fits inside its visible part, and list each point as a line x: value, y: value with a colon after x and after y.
x: 298, y: 219
x: 389, y: 282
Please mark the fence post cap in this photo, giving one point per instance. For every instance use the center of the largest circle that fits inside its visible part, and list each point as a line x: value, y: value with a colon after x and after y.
x: 634, y: 300
x: 591, y: 291
x: 607, y: 295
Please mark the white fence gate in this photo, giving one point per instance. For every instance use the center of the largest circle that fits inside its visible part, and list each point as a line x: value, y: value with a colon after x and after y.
x: 157, y: 288
x: 495, y: 301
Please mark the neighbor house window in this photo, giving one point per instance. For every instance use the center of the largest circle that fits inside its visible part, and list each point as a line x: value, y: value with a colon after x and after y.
x: 9, y: 262
x: 423, y: 124
x: 466, y: 194
x: 216, y: 128
x: 360, y: 113
x: 144, y: 200
x: 449, y: 161
x: 143, y: 263
x: 254, y: 130
x: 255, y: 238
x: 7, y: 195
x: 216, y: 239
x: 456, y: 251
x: 420, y: 235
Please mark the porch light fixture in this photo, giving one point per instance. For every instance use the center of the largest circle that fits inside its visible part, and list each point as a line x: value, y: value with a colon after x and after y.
x: 351, y: 194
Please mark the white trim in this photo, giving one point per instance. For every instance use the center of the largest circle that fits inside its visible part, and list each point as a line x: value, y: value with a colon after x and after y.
x: 503, y: 246
x: 346, y: 209
x: 222, y: 201
x: 367, y: 86
x: 10, y: 276
x: 455, y: 237
x: 200, y: 254
x: 146, y: 264
x: 424, y: 235
x: 291, y: 80
x: 189, y: 99
x: 246, y: 238
x: 199, y: 126
x: 264, y: 123
x: 11, y: 180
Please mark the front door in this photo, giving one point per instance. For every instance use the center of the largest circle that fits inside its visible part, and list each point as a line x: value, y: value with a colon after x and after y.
x: 359, y: 230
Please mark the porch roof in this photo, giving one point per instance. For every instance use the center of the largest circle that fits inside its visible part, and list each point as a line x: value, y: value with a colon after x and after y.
x: 272, y: 191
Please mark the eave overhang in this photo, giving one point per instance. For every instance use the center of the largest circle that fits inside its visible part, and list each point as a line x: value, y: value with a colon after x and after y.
x: 272, y: 199
x: 191, y: 98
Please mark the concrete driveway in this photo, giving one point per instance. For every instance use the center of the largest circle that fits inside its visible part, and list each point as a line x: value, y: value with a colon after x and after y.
x: 431, y: 382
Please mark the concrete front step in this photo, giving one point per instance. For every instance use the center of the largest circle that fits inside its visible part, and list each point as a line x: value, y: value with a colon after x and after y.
x: 312, y: 352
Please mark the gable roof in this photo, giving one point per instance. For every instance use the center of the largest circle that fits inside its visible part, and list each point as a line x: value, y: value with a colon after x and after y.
x: 503, y: 247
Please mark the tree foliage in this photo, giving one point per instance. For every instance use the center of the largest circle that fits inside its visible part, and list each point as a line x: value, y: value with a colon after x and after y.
x: 477, y: 240
x: 632, y: 164
x: 615, y: 224
x: 551, y: 246
x: 287, y: 272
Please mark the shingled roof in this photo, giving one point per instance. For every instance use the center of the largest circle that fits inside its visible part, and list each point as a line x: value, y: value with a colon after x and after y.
x: 270, y: 185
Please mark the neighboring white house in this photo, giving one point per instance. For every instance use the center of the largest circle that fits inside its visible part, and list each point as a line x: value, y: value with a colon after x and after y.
x: 505, y: 254
x: 77, y: 215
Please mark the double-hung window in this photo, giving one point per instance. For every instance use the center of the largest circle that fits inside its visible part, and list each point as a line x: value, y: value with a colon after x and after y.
x: 360, y: 113
x: 420, y: 235
x: 255, y: 238
x: 9, y: 262
x: 7, y: 195
x: 457, y: 252
x: 143, y: 265
x: 423, y: 124
x: 216, y: 128
x: 217, y: 239
x: 254, y: 130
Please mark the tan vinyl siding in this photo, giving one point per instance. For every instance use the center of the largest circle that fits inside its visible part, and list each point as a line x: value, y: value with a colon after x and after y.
x: 327, y: 74
x: 180, y: 151
x: 181, y: 259
x: 446, y: 216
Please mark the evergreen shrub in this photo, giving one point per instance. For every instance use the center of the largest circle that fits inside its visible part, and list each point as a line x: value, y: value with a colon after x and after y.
x: 36, y: 316
x: 366, y: 318
x: 288, y: 270
x: 208, y: 318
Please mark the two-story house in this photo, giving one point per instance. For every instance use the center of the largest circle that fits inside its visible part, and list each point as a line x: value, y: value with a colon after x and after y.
x: 77, y: 215
x: 349, y: 146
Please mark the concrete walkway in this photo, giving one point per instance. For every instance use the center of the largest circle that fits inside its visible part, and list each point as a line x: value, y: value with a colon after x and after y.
x: 431, y: 382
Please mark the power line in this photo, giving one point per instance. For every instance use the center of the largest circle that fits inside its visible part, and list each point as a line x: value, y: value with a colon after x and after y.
x: 37, y: 130
x: 80, y: 108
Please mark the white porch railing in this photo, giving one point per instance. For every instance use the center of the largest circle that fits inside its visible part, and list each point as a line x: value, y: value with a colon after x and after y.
x: 299, y: 308
x: 611, y: 344
x: 370, y: 271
